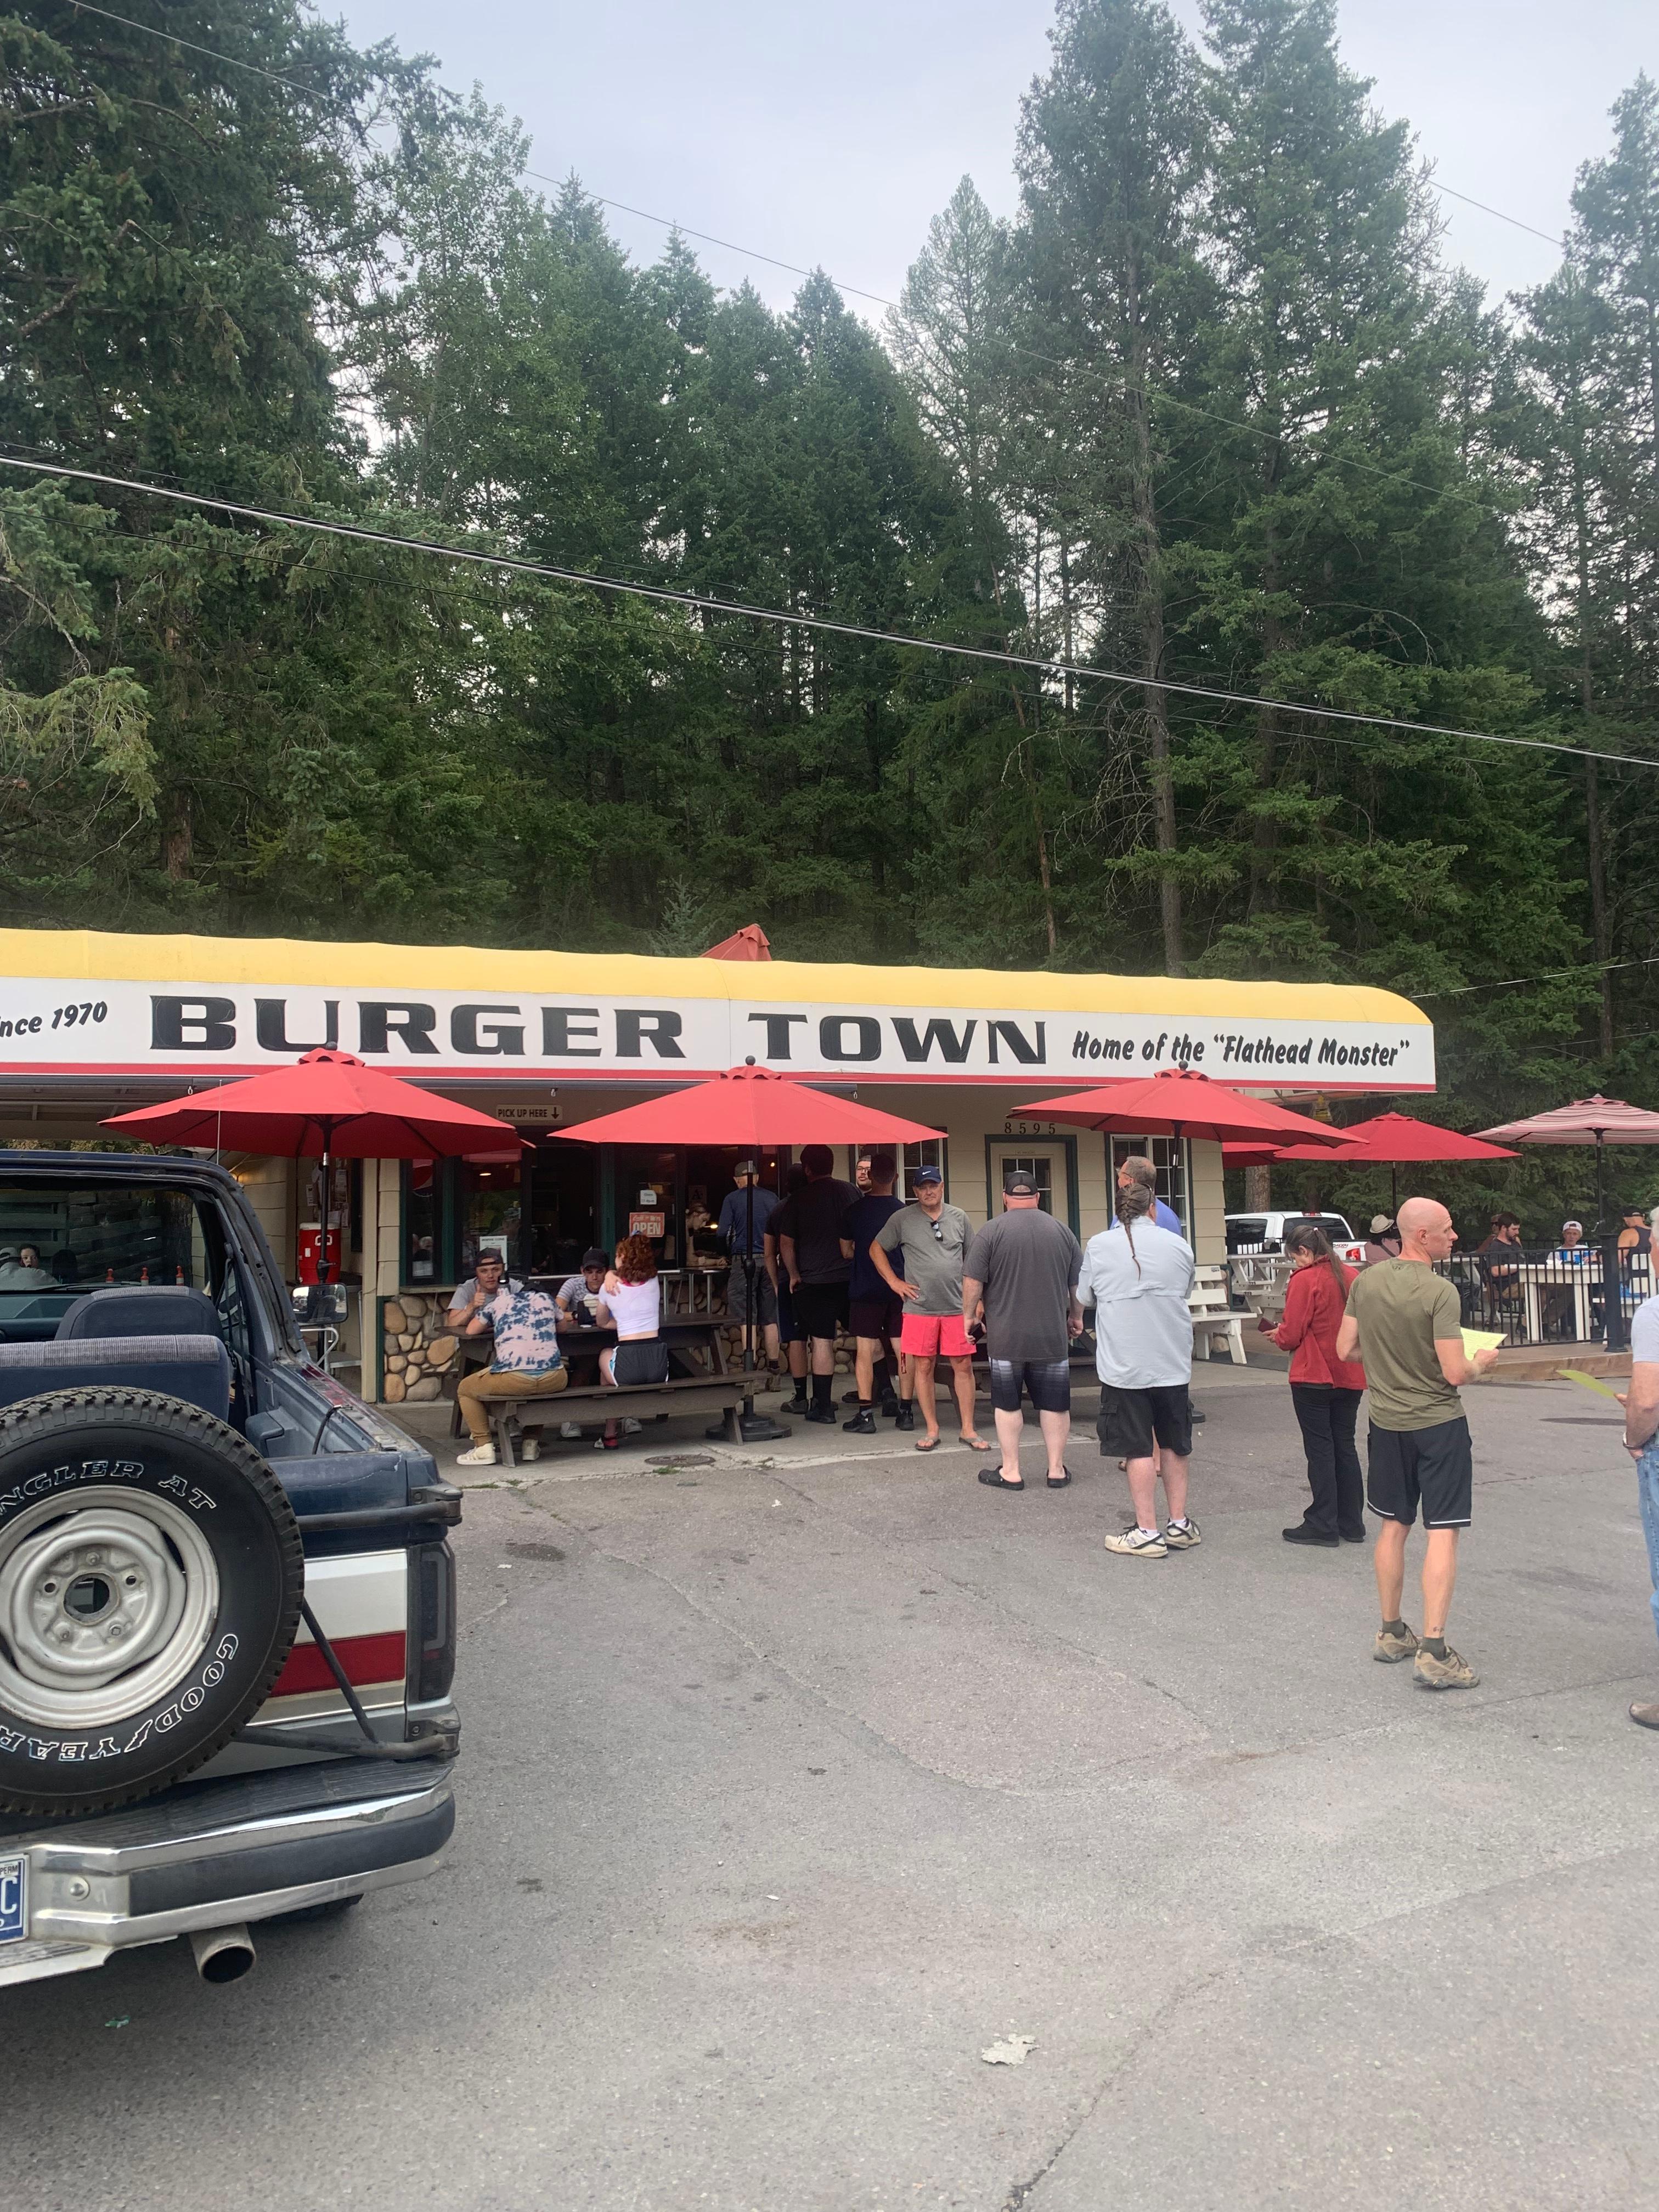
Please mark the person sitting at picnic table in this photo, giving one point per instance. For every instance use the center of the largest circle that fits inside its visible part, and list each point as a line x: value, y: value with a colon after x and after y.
x: 583, y: 1290
x: 526, y: 1363
x: 1500, y: 1256
x: 471, y: 1298
x: 631, y: 1299
x: 1572, y: 1248
x: 1635, y: 1237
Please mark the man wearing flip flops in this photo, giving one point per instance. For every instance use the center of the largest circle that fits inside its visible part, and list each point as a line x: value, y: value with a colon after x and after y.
x: 1021, y: 1274
x: 929, y: 1241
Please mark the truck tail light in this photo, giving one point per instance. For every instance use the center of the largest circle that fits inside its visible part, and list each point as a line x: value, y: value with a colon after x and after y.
x: 432, y: 1642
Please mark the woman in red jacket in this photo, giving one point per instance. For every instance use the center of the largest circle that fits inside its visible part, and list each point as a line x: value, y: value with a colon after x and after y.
x: 1324, y: 1389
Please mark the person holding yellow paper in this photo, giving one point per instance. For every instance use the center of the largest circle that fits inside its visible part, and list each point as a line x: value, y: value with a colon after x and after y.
x: 1404, y: 1322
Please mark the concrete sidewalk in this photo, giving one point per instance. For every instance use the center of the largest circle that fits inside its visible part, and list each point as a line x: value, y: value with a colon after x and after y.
x: 792, y: 1782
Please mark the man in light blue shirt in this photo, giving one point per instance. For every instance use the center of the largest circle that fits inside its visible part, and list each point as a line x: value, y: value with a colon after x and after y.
x: 1139, y: 1169
x: 1138, y: 1277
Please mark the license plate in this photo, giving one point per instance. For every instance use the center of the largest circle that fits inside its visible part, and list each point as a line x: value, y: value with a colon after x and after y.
x: 13, y: 1900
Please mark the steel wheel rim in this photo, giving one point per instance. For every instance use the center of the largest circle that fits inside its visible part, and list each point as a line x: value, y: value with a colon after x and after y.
x: 106, y: 1600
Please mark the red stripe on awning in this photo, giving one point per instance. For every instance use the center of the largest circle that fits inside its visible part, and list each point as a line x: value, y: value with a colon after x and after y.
x: 365, y: 1658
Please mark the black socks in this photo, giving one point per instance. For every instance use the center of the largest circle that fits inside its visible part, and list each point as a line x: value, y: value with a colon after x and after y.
x: 823, y: 1387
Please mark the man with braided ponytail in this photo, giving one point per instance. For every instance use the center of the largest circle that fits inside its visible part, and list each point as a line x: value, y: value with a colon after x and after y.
x: 1138, y: 1277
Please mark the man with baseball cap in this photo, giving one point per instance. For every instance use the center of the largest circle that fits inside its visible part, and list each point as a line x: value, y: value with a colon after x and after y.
x: 744, y: 1215
x: 1021, y: 1274
x: 919, y: 1253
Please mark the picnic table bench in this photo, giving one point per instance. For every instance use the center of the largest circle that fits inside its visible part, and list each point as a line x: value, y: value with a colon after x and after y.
x: 699, y: 1382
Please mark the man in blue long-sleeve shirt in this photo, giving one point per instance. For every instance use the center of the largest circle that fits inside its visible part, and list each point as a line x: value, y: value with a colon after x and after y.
x: 744, y: 1215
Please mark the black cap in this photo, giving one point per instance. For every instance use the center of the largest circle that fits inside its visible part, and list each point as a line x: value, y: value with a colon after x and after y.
x: 1019, y: 1183
x: 595, y: 1258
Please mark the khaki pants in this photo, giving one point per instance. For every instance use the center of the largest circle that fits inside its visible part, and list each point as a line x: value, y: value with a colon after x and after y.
x: 483, y: 1383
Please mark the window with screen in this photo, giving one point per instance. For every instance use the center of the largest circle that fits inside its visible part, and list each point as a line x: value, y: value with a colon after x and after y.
x: 929, y: 1153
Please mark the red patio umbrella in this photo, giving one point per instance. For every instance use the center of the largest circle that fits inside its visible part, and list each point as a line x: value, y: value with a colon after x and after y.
x: 1389, y: 1140
x: 328, y: 1103
x: 1595, y: 1121
x: 1185, y: 1104
x: 752, y: 1107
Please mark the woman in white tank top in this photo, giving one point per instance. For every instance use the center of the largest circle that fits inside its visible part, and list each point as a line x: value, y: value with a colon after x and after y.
x: 632, y: 1298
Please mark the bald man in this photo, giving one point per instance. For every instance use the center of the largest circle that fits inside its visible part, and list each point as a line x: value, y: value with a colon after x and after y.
x: 1406, y: 1324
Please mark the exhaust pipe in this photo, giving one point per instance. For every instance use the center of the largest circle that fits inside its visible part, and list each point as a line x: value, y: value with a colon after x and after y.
x: 222, y: 1955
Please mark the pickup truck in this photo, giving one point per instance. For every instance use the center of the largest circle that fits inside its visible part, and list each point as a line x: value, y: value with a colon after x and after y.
x: 227, y: 1594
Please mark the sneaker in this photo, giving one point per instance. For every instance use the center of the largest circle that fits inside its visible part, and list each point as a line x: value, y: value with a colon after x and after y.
x: 889, y: 1409
x: 631, y: 1428
x: 819, y: 1413
x: 906, y: 1416
x: 571, y: 1431
x: 797, y: 1405
x: 849, y: 1397
x: 1645, y: 1716
x: 480, y: 1456
x: 863, y: 1423
x: 1140, y: 1544
x: 530, y: 1448
x: 1183, y: 1539
x: 1301, y: 1534
x: 1391, y: 1649
x: 1453, y: 1672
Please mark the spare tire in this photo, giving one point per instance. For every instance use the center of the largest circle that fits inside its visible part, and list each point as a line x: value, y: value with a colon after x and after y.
x: 151, y: 1572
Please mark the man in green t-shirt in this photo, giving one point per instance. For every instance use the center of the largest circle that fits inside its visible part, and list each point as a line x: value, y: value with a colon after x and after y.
x: 1405, y: 1323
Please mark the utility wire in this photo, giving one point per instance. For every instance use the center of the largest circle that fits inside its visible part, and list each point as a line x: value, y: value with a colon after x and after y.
x: 704, y: 603
x: 1550, y: 976
x: 1024, y: 353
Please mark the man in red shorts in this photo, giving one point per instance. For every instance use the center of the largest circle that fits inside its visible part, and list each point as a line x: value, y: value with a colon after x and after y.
x: 929, y: 1240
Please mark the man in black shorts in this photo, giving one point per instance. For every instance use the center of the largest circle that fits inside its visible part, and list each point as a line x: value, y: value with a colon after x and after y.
x: 807, y: 1226
x: 875, y: 1314
x: 1021, y: 1274
x: 1405, y: 1323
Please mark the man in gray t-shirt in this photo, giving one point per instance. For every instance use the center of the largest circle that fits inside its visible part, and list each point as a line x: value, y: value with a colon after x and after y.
x: 1642, y: 1442
x: 1021, y: 1274
x: 918, y: 1252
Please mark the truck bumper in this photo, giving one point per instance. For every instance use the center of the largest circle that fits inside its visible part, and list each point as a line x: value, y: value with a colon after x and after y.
x: 208, y: 1854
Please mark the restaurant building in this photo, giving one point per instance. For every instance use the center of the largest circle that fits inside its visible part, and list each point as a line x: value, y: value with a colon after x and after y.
x: 92, y: 1024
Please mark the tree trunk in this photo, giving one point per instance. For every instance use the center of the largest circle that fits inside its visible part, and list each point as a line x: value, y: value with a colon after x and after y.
x: 1150, y: 602
x: 1596, y: 845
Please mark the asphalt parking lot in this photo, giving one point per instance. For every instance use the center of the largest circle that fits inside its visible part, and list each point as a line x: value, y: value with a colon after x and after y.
x: 788, y: 1789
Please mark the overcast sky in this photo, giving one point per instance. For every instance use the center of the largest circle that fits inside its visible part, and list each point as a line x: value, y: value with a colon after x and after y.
x: 830, y: 136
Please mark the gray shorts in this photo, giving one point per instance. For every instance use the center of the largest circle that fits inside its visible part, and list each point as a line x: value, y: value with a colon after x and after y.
x: 737, y: 1296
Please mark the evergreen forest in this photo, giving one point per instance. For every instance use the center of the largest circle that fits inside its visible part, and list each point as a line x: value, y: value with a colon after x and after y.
x: 1214, y: 406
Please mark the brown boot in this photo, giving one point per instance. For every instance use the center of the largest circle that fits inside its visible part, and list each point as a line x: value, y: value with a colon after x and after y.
x: 1645, y: 1716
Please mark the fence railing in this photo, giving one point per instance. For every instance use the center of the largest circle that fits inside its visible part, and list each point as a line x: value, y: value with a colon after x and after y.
x: 1534, y: 1296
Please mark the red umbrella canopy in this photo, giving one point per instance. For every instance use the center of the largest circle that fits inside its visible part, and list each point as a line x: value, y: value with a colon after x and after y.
x: 753, y: 1107
x: 327, y: 1103
x: 1186, y: 1105
x: 1586, y: 1121
x: 1386, y: 1140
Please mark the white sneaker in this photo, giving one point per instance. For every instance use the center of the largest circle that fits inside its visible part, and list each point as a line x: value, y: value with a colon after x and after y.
x: 571, y: 1431
x: 530, y: 1448
x: 480, y: 1456
x: 632, y: 1428
x: 1139, y: 1544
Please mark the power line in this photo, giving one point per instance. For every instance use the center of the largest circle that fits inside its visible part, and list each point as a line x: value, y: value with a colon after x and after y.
x: 86, y: 8
x: 706, y: 603
x: 1451, y: 192
x: 1024, y: 353
x: 1550, y: 976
